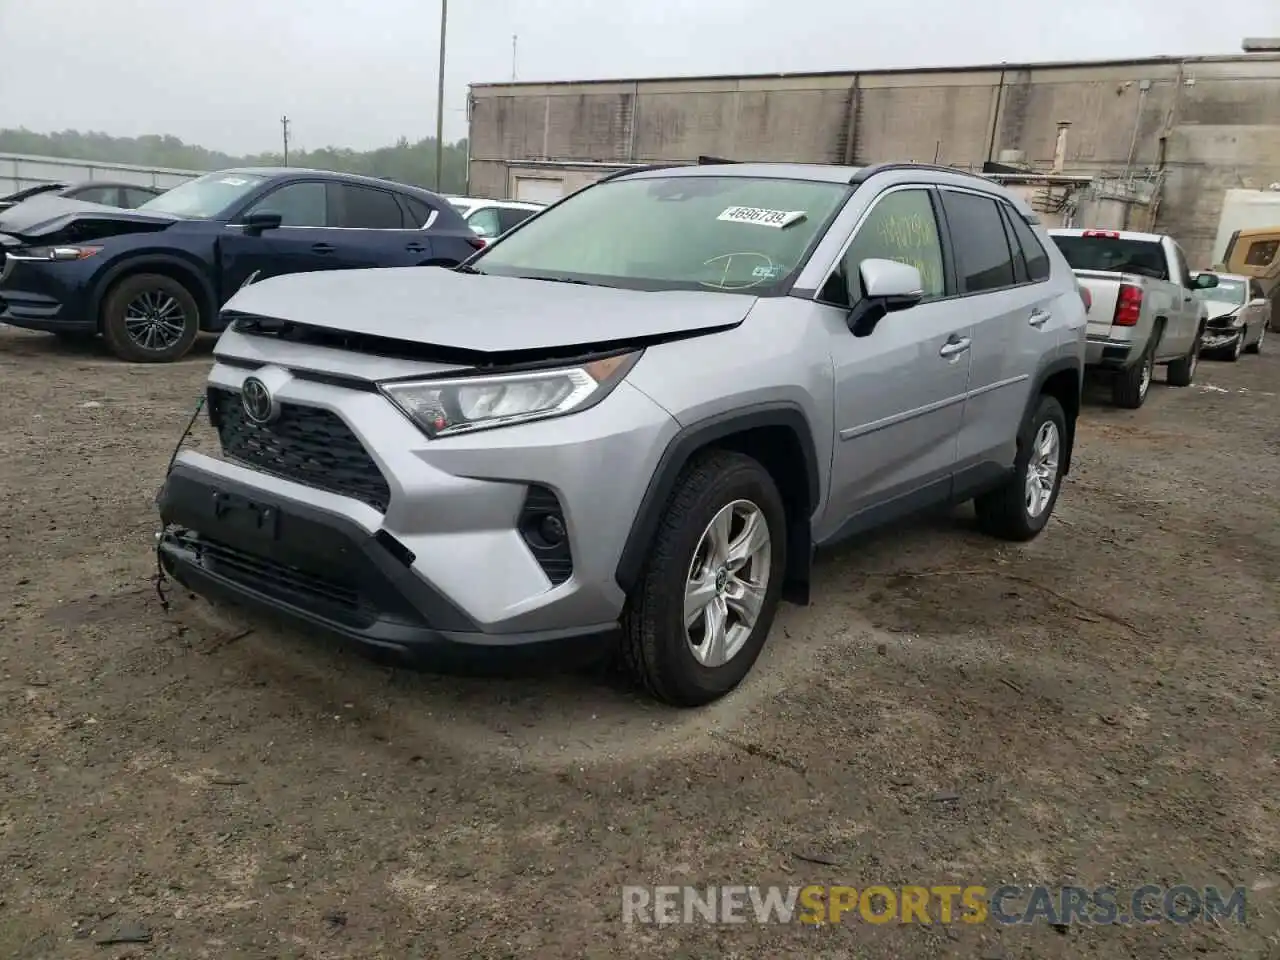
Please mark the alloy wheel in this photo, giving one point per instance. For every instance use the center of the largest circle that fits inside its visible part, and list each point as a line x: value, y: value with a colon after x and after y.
x: 1042, y: 468
x: 154, y: 320
x: 727, y: 583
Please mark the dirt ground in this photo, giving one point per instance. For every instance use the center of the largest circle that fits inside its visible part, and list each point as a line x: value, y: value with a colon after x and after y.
x: 1099, y: 706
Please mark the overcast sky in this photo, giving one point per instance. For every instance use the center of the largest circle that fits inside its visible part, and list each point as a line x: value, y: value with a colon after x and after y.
x: 361, y: 73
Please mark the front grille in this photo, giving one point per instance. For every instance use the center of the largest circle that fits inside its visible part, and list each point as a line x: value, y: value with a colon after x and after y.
x: 305, y: 444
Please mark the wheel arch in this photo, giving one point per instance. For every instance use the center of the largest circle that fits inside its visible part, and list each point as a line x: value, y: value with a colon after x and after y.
x: 169, y: 266
x: 777, y: 435
x: 1062, y: 379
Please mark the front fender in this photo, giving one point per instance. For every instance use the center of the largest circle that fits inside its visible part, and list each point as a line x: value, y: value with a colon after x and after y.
x: 181, y: 263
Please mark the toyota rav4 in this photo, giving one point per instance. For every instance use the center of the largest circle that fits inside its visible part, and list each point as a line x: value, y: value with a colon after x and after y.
x: 629, y: 422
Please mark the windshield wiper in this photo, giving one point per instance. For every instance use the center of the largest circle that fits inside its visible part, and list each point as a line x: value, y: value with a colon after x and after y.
x: 582, y: 283
x: 467, y: 268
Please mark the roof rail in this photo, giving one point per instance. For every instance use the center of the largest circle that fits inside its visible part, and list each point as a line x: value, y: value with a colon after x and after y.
x: 642, y: 168
x: 869, y: 171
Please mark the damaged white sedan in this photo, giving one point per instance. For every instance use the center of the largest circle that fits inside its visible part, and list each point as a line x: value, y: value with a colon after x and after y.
x: 1238, y: 316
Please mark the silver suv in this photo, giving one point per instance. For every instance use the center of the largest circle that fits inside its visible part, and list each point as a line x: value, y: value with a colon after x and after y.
x: 627, y: 424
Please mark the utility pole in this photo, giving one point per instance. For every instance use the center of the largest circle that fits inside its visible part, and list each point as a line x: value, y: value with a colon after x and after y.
x: 284, y: 134
x: 514, y: 40
x: 444, y: 19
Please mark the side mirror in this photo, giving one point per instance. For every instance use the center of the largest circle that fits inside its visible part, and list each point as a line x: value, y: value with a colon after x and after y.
x: 1204, y: 281
x: 260, y: 220
x: 887, y: 287
x: 1259, y: 302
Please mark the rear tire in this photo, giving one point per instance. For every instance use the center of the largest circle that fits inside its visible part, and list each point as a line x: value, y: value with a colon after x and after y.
x: 1009, y: 512
x: 662, y: 648
x: 1183, y: 370
x: 150, y: 318
x: 1130, y: 387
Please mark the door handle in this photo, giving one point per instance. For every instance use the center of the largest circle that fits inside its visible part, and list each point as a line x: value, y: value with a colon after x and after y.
x: 415, y: 247
x: 953, y: 348
x: 1038, y: 318
x: 322, y: 248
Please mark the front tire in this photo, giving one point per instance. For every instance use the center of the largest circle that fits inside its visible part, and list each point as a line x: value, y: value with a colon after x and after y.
x: 1236, y: 349
x: 150, y: 318
x: 1262, y: 335
x: 1019, y: 509
x: 698, y: 619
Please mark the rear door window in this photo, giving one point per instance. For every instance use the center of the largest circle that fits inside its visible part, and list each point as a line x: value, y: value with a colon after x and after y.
x: 1114, y: 255
x: 983, y: 258
x: 364, y: 208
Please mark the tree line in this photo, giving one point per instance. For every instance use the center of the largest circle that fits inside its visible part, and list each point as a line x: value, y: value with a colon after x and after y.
x: 406, y: 162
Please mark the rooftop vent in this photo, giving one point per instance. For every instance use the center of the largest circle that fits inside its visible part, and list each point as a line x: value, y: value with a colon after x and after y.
x: 1260, y: 45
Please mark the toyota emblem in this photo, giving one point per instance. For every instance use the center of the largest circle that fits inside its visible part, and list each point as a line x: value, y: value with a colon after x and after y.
x: 259, y: 405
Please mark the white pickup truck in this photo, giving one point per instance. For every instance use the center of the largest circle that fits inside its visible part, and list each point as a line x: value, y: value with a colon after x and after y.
x: 1142, y: 307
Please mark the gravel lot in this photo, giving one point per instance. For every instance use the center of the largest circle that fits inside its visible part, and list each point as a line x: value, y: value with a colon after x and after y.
x: 1097, y: 706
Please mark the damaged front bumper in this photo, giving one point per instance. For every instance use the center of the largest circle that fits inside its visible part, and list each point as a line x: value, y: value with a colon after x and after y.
x: 1216, y: 338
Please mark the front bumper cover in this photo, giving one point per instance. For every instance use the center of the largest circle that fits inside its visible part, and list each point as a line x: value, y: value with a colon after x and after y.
x: 228, y: 541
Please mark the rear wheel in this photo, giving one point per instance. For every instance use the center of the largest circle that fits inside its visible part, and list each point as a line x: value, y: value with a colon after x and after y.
x: 150, y: 318
x: 1130, y: 387
x: 699, y: 617
x: 1019, y: 509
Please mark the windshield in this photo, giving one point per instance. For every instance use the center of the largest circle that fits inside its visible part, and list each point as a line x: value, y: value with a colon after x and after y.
x: 735, y: 234
x: 205, y: 197
x: 1114, y: 255
x: 1227, y: 291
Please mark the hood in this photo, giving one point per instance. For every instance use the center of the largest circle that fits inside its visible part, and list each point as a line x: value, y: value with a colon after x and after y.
x: 62, y: 219
x: 1217, y: 309
x: 484, y: 314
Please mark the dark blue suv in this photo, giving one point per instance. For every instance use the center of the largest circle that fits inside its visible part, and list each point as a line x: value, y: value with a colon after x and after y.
x: 150, y: 279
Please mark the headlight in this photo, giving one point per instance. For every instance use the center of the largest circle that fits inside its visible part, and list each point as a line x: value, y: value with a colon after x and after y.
x: 462, y: 404
x: 59, y: 253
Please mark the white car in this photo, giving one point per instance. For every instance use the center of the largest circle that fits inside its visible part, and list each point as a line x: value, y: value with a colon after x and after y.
x: 492, y: 218
x: 1238, y: 317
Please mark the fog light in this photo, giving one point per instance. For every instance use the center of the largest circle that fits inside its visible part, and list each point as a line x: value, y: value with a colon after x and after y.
x: 552, y: 529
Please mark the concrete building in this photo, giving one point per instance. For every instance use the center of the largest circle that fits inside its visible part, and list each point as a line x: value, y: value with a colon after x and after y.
x: 1167, y: 136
